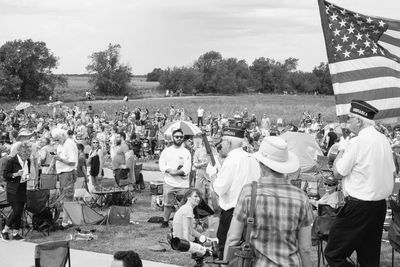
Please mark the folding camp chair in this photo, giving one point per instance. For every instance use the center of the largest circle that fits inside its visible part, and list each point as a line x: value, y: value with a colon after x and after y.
x: 394, y: 229
x: 4, y: 205
x: 42, y: 214
x: 139, y: 183
x: 52, y: 254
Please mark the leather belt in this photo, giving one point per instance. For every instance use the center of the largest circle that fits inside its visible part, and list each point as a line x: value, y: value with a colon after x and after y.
x: 350, y: 198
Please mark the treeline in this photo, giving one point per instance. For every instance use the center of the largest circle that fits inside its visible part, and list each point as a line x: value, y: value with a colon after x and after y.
x: 211, y: 73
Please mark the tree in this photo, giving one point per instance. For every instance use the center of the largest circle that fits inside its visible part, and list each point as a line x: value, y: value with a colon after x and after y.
x: 207, y: 65
x: 155, y: 75
x: 324, y: 85
x: 26, y: 70
x: 109, y: 76
x: 188, y: 80
x: 231, y: 76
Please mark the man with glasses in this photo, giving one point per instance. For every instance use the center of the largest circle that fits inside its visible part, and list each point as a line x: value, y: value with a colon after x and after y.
x: 238, y: 169
x: 367, y: 169
x: 175, y: 163
x: 66, y: 165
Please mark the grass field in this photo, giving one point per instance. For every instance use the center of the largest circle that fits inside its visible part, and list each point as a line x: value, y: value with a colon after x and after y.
x: 78, y: 85
x: 142, y: 235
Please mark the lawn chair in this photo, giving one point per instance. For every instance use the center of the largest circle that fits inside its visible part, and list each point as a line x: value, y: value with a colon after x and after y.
x: 394, y: 229
x: 139, y: 183
x: 41, y: 213
x: 52, y: 254
x: 4, y: 205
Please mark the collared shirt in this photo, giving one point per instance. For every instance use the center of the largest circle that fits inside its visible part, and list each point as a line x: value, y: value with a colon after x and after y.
x: 25, y: 169
x: 281, y: 210
x: 69, y: 152
x: 238, y: 169
x: 172, y: 157
x: 368, y: 166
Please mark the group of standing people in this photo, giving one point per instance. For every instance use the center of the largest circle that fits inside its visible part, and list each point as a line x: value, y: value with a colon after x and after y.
x: 281, y: 235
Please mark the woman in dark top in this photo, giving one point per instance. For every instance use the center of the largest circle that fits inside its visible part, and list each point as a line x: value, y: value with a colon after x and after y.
x: 95, y: 160
x: 17, y: 173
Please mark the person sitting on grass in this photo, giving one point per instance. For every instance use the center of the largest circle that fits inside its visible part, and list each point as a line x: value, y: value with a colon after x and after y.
x: 183, y: 222
x: 127, y: 258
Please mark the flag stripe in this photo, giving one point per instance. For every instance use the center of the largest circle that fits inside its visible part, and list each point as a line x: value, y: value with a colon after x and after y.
x: 376, y: 72
x: 365, y: 85
x: 394, y: 33
x: 393, y: 24
x: 370, y: 95
x: 394, y: 50
x: 391, y: 106
x: 362, y: 63
x: 390, y: 39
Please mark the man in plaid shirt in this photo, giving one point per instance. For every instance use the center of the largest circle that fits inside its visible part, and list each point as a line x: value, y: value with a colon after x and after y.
x: 281, y: 235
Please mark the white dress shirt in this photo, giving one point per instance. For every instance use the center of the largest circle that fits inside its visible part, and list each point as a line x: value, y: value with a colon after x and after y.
x: 238, y: 169
x: 368, y: 166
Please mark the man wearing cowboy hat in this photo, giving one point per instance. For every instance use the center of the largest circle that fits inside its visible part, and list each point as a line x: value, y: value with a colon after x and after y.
x: 238, y: 169
x: 367, y: 169
x: 281, y: 235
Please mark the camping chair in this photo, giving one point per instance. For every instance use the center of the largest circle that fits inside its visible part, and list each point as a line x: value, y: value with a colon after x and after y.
x: 139, y: 183
x: 4, y: 205
x: 394, y: 229
x: 52, y: 254
x: 321, y: 227
x: 38, y: 209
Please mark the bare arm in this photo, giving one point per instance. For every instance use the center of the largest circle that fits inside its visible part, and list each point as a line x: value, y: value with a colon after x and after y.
x: 234, y: 235
x: 336, y: 174
x: 305, y: 245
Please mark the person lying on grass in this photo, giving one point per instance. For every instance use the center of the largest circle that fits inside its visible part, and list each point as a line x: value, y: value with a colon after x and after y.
x: 184, y: 218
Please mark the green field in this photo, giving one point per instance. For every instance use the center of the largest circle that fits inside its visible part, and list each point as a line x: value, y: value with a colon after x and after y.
x: 78, y: 85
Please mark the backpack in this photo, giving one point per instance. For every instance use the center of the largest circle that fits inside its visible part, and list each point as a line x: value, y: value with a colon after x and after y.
x: 119, y: 215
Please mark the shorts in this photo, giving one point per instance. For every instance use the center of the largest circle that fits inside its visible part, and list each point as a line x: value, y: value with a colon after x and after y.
x: 173, y: 195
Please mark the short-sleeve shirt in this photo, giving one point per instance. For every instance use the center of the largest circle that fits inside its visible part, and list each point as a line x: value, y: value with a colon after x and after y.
x: 281, y: 210
x: 368, y: 166
x: 184, y: 212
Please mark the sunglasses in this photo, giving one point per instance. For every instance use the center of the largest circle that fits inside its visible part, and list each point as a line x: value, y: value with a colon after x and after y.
x: 178, y: 136
x: 329, y: 184
x: 95, y: 142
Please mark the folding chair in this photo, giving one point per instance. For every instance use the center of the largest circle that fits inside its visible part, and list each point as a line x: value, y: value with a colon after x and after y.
x: 4, y: 205
x: 139, y: 183
x: 394, y: 228
x: 39, y: 210
x: 52, y: 254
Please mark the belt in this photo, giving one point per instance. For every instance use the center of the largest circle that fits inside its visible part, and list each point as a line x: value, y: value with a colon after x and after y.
x: 350, y: 198
x: 45, y: 165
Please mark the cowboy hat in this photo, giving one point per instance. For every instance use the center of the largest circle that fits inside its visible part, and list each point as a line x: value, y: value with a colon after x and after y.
x: 23, y: 132
x: 274, y: 153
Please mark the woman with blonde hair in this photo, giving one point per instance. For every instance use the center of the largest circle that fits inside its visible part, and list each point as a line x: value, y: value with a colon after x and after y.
x: 96, y: 162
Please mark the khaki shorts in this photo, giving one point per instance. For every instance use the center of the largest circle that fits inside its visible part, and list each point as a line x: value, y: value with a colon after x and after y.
x: 67, y: 181
x: 173, y: 195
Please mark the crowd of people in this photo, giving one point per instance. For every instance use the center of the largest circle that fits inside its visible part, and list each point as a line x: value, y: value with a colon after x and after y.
x: 244, y: 148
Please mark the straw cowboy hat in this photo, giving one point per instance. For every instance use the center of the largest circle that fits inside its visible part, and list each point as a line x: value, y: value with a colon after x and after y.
x: 274, y: 153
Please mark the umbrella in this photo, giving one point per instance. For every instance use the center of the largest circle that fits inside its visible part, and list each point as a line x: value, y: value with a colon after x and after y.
x: 188, y: 128
x: 23, y: 105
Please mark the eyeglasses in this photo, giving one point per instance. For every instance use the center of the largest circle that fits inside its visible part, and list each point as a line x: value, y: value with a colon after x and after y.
x: 95, y: 142
x: 178, y: 136
x: 329, y: 184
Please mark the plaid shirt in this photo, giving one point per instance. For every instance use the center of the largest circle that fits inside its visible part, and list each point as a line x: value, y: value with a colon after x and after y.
x: 281, y: 210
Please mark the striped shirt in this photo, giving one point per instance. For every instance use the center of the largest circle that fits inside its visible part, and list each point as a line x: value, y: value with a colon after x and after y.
x: 281, y: 210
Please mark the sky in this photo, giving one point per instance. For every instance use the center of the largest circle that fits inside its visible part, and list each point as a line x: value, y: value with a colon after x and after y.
x: 168, y: 33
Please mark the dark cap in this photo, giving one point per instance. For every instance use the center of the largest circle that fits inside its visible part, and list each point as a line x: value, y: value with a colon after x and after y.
x: 233, y: 132
x: 363, y: 109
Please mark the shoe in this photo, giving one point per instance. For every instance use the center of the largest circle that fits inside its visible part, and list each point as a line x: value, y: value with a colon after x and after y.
x: 5, y: 236
x: 164, y: 224
x: 17, y: 237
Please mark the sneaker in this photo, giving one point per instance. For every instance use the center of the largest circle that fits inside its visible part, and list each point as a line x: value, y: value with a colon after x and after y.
x: 17, y: 237
x: 164, y: 224
x: 5, y: 236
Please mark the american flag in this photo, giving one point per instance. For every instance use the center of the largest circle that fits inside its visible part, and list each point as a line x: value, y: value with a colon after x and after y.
x: 364, y: 59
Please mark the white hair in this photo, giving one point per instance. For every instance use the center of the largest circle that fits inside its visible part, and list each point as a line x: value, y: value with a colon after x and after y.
x: 56, y: 133
x: 366, y: 122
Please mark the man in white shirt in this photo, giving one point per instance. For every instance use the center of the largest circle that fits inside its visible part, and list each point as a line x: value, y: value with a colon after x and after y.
x: 66, y: 164
x: 200, y: 115
x: 238, y: 169
x: 367, y: 169
x: 175, y: 163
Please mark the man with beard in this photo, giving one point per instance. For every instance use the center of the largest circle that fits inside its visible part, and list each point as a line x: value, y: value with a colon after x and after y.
x: 118, y: 159
x: 238, y: 169
x: 175, y: 163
